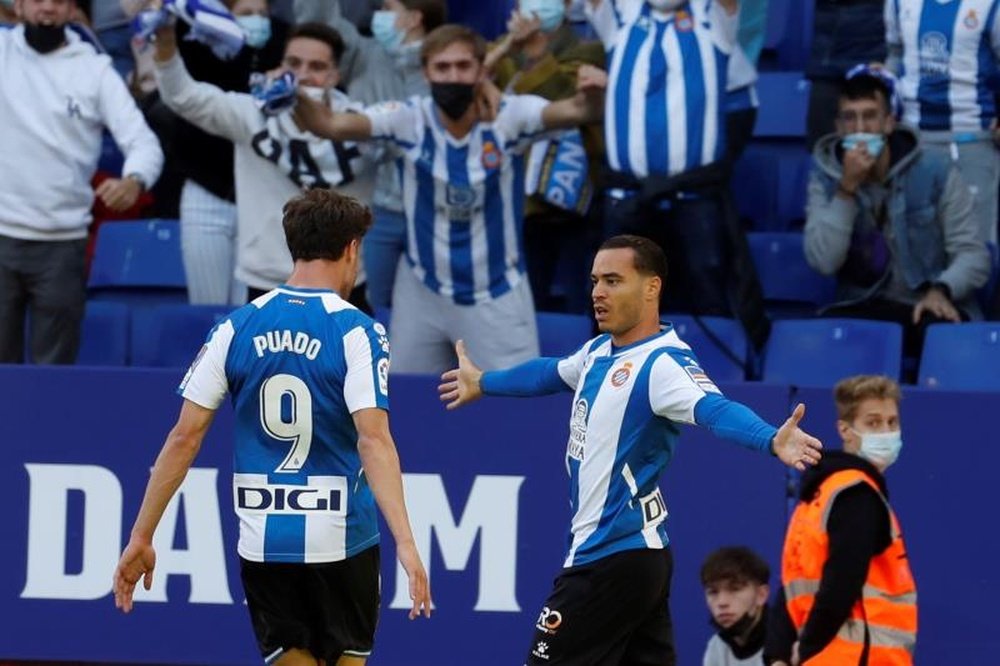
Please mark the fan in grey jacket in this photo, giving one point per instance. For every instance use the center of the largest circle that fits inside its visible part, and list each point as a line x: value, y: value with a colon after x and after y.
x: 893, y: 223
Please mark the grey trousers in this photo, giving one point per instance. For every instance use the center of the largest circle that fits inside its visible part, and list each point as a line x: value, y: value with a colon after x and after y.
x: 979, y: 163
x: 43, y: 281
x: 425, y: 326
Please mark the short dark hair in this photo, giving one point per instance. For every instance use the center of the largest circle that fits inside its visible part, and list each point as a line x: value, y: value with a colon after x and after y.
x: 445, y: 35
x: 321, y: 32
x: 866, y: 87
x: 647, y: 256
x: 435, y: 12
x: 849, y: 393
x: 734, y: 563
x: 320, y: 224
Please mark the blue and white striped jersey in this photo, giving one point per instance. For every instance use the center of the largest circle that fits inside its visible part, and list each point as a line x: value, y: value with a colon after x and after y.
x: 667, y: 79
x: 298, y: 363
x: 463, y: 198
x: 623, y: 428
x: 948, y: 69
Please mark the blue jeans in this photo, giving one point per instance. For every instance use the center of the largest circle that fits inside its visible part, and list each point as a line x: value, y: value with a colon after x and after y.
x: 384, y: 244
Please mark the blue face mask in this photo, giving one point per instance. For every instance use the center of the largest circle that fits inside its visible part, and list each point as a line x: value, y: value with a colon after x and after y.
x: 256, y: 28
x: 550, y: 13
x: 873, y: 142
x: 385, y: 31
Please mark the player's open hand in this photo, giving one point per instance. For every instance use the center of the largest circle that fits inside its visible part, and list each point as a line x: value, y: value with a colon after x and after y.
x: 420, y: 586
x: 793, y: 446
x: 461, y: 385
x: 137, y: 561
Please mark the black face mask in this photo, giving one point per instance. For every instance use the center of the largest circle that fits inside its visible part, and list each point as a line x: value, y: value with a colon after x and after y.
x: 44, y: 38
x: 453, y: 98
x: 746, y: 636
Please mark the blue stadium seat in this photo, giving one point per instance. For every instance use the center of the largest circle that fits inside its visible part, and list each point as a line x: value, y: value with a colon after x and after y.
x: 562, y: 334
x: 138, y: 262
x: 784, y: 102
x: 789, y: 34
x: 791, y: 286
x: 961, y: 357
x: 715, y: 360
x: 769, y: 184
x: 169, y: 336
x: 104, y: 334
x: 821, y: 352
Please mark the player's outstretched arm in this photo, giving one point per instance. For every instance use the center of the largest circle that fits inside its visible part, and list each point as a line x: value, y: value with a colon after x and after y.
x: 381, y: 464
x: 793, y: 446
x: 461, y: 385
x: 318, y: 118
x: 179, y: 450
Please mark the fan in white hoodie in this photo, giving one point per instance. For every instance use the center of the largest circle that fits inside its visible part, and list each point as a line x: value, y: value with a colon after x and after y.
x: 57, y: 94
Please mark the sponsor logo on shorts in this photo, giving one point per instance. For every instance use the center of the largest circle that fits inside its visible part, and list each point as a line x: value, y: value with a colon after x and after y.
x: 541, y: 650
x: 549, y: 620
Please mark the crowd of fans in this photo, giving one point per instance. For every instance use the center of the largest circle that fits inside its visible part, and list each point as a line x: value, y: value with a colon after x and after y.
x: 902, y: 199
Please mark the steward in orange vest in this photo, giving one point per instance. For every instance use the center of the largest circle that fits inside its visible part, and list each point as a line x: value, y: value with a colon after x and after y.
x: 847, y: 590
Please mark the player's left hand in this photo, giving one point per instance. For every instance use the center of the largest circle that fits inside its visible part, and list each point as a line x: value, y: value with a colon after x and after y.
x: 119, y: 194
x: 137, y: 561
x: 420, y: 586
x: 461, y: 385
x: 793, y: 446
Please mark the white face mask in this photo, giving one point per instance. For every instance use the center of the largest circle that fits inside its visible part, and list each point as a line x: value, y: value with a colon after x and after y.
x: 666, y: 5
x: 880, y: 448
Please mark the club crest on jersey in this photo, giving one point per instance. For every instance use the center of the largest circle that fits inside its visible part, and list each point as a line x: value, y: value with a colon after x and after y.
x: 620, y: 376
x: 491, y: 156
x: 684, y: 22
x: 971, y: 20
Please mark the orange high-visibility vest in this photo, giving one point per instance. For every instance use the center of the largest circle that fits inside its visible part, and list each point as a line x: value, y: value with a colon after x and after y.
x: 885, y: 617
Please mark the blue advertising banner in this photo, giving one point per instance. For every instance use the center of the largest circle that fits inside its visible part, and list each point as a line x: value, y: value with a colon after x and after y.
x: 487, y: 495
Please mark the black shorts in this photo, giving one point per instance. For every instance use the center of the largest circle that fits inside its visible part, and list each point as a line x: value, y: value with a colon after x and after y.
x: 613, y: 612
x: 329, y: 609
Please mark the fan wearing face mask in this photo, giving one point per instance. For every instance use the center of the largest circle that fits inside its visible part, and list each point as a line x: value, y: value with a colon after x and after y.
x: 736, y: 589
x: 386, y: 66
x: 892, y: 221
x: 539, y: 55
x: 847, y: 589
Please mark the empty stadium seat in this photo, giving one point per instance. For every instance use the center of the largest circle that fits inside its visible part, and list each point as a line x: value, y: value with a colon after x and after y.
x: 769, y: 184
x: 562, y: 334
x: 784, y: 103
x: 170, y: 336
x: 821, y: 352
x: 791, y: 286
x: 104, y: 335
x: 714, y: 347
x: 961, y: 357
x: 138, y: 262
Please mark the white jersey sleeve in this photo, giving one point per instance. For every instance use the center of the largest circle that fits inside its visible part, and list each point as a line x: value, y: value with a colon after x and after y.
x: 205, y: 383
x: 366, y: 385
x: 571, y: 367
x: 397, y: 123
x: 520, y: 120
x: 608, y: 16
x: 231, y: 115
x: 676, y: 384
x: 725, y: 26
